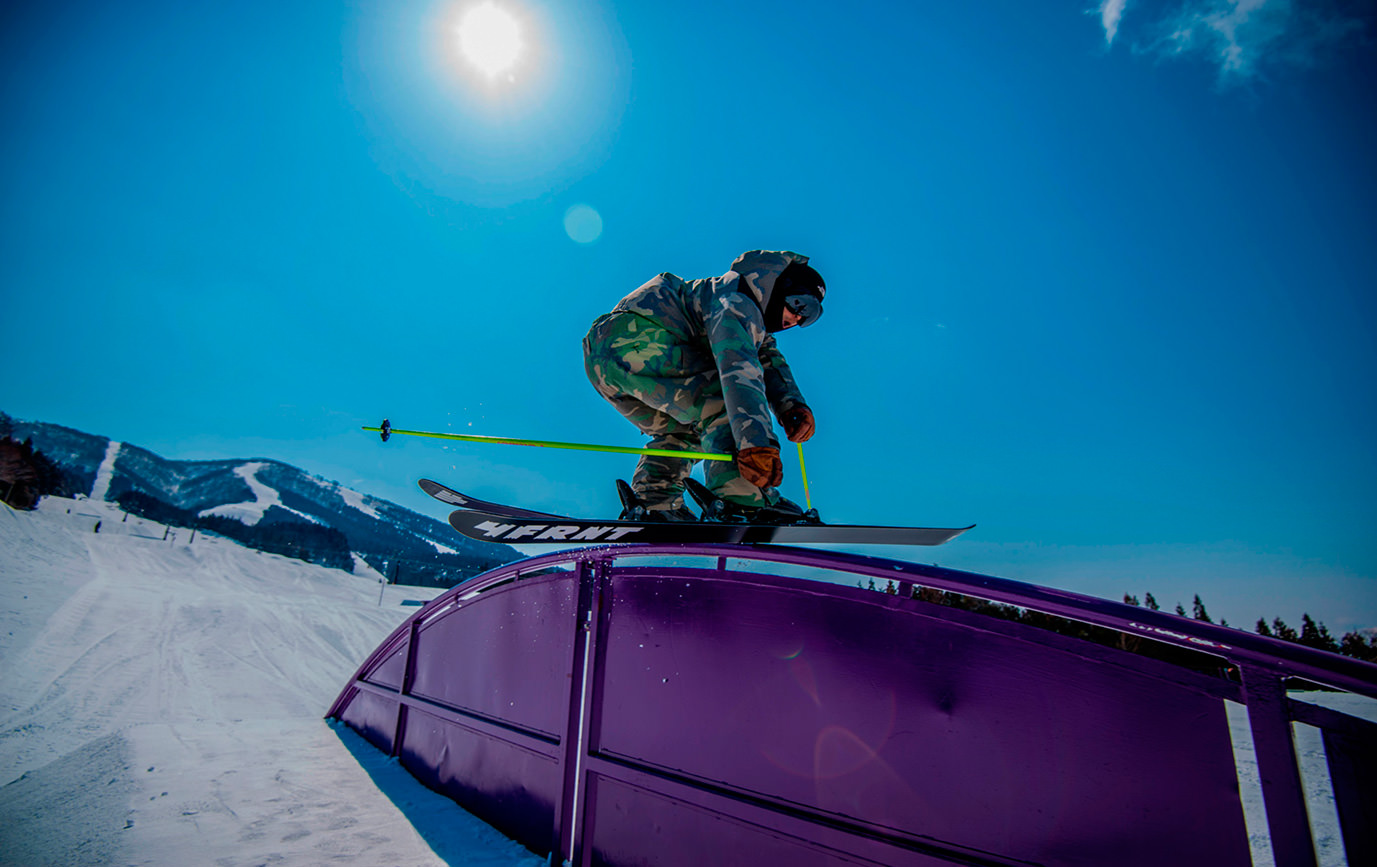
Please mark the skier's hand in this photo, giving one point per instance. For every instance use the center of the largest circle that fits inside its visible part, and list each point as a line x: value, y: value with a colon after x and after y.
x: 760, y: 466
x: 798, y: 424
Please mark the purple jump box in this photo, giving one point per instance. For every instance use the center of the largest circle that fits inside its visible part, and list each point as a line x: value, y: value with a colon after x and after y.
x: 675, y: 705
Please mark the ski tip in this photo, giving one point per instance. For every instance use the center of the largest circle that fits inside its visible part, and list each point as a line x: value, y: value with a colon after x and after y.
x: 444, y: 493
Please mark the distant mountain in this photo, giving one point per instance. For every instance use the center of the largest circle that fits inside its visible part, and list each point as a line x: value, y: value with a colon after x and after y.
x: 408, y: 547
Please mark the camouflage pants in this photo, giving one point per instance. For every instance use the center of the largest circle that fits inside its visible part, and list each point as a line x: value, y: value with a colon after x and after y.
x: 641, y: 370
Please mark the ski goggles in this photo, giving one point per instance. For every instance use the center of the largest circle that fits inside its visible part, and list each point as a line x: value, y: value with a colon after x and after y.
x: 806, y: 307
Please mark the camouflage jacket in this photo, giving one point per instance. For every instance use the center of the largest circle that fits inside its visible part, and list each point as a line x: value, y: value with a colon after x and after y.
x: 718, y: 322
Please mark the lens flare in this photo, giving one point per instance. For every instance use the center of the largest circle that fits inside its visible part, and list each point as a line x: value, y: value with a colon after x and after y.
x: 583, y: 224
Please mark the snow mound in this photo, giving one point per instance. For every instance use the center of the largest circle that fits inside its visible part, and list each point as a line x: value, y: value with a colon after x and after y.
x: 161, y: 696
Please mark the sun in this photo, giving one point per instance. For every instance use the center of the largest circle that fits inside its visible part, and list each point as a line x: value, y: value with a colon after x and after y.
x: 490, y: 38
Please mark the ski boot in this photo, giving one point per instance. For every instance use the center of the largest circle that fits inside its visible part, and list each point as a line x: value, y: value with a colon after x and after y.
x: 724, y: 511
x: 635, y: 509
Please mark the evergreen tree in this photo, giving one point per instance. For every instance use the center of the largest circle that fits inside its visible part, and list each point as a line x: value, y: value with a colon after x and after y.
x: 1359, y: 647
x: 1151, y: 603
x: 26, y: 474
x: 153, y: 509
x: 1282, y: 631
x: 1130, y: 600
x: 1316, y: 635
x: 1199, y: 612
x: 51, y: 479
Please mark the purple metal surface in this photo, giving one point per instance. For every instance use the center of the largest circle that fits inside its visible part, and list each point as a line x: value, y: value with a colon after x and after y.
x: 633, y: 712
x: 512, y: 786
x: 374, y: 717
x: 841, y: 706
x: 1282, y: 789
x: 642, y: 825
x: 391, y: 670
x: 498, y: 660
x: 1352, y: 756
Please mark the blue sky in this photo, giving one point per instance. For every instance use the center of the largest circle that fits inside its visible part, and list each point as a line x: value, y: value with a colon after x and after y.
x: 1100, y: 280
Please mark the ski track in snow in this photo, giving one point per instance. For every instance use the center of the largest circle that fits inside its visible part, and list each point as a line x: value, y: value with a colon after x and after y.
x: 443, y: 549
x: 355, y: 499
x: 264, y: 498
x: 160, y: 698
x: 101, y: 488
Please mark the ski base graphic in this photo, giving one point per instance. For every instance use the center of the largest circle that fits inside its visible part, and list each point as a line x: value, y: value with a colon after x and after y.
x: 494, y: 527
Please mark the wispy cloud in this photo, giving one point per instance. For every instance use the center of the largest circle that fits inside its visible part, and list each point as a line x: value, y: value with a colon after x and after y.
x: 1111, y: 12
x: 1234, y: 34
x: 1245, y: 38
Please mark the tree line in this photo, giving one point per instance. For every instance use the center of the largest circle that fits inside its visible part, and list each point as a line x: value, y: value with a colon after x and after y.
x: 26, y: 474
x: 1311, y: 633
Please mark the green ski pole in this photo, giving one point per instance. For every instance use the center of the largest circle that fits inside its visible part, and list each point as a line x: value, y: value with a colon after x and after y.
x: 387, y: 430
x: 803, y: 471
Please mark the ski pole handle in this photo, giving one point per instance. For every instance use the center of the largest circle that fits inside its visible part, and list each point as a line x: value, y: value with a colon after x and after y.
x: 387, y: 430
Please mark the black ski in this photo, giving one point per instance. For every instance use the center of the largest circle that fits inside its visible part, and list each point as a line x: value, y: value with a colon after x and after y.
x: 487, y: 521
x: 464, y: 501
x: 487, y: 526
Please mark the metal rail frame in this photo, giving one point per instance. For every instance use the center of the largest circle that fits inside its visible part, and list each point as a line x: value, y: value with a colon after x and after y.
x: 382, y: 703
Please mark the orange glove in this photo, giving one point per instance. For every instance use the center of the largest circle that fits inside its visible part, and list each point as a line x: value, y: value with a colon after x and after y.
x: 798, y: 424
x: 760, y: 466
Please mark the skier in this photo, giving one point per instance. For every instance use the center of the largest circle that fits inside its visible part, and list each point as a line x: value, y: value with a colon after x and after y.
x: 694, y: 365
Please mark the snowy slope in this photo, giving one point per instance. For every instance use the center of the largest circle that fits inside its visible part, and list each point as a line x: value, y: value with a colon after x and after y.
x: 161, y: 703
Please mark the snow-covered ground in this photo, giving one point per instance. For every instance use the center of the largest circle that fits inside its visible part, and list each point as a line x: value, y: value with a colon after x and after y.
x: 161, y: 702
